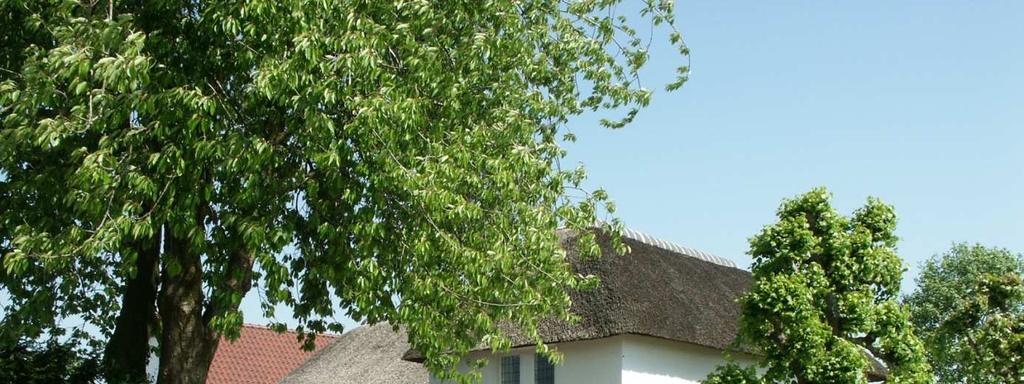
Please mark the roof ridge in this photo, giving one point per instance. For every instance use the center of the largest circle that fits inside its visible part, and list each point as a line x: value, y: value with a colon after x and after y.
x: 287, y: 330
x: 673, y: 247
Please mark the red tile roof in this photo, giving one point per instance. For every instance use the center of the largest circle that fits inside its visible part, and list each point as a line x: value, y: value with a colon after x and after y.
x: 259, y: 356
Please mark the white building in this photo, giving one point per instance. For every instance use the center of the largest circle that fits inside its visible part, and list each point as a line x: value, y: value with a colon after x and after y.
x: 664, y: 314
x: 619, y: 359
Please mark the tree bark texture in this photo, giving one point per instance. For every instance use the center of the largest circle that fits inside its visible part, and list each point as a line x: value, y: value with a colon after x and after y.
x: 127, y: 352
x: 187, y: 342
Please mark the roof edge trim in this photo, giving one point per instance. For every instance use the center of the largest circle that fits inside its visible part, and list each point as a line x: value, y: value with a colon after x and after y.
x: 670, y: 246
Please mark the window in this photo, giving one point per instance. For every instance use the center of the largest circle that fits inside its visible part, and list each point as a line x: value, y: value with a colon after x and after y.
x: 544, y: 371
x: 510, y: 370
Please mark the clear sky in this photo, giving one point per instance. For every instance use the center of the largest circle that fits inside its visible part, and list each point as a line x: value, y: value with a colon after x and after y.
x: 919, y: 103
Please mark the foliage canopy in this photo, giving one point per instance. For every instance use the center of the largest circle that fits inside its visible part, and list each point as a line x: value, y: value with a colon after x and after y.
x: 400, y: 158
x: 823, y: 305
x: 47, y: 363
x: 969, y: 310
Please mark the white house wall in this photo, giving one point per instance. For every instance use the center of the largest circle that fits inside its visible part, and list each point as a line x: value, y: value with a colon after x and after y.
x: 589, y: 362
x: 650, y: 360
x: 627, y: 359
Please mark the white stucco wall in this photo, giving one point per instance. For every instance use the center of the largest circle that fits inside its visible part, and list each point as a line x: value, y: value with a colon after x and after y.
x: 588, y: 362
x: 627, y: 359
x: 650, y: 360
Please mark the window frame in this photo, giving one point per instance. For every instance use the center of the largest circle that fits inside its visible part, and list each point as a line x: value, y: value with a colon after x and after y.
x: 515, y: 372
x: 543, y: 365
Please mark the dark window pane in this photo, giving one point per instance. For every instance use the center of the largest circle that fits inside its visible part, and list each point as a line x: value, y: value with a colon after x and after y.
x: 510, y: 370
x: 544, y: 371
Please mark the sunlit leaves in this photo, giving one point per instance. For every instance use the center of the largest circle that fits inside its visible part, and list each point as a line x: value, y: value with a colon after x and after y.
x: 823, y: 301
x: 399, y: 159
x: 969, y: 310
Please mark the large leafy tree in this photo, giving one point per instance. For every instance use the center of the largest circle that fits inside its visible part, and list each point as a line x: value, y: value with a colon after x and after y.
x: 969, y: 310
x: 160, y: 158
x: 823, y: 306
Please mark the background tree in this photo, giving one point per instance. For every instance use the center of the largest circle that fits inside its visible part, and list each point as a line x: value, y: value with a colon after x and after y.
x: 969, y: 310
x: 47, y: 363
x: 160, y: 158
x: 823, y: 306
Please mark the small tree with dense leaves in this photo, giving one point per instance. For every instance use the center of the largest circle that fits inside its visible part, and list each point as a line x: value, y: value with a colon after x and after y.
x: 48, y: 362
x: 969, y: 310
x: 160, y: 158
x: 823, y: 304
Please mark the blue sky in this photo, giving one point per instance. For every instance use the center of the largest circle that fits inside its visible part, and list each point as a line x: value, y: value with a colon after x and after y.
x: 919, y: 103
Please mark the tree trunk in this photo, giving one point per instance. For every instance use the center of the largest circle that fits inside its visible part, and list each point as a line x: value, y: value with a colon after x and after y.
x: 187, y: 342
x: 127, y: 352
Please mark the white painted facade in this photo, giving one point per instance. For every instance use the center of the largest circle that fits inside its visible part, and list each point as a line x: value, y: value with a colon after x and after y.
x: 658, y: 361
x: 625, y: 359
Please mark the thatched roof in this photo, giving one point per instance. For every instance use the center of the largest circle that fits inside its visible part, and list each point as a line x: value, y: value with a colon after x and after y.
x: 366, y: 355
x: 659, y: 289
